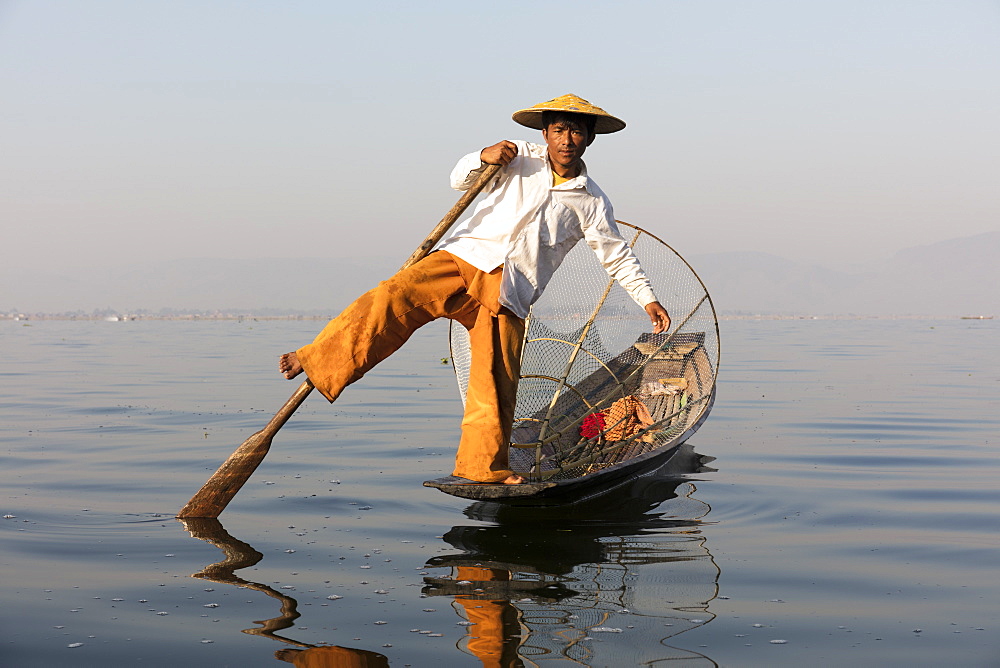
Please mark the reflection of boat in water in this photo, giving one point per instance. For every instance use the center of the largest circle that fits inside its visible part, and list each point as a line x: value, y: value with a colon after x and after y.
x: 540, y: 583
x: 601, y: 400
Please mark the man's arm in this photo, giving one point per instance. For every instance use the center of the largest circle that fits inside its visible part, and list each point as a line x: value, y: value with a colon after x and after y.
x: 616, y: 256
x: 658, y: 316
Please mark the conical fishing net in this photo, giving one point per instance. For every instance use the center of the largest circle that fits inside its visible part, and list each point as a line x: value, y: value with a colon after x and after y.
x: 597, y: 387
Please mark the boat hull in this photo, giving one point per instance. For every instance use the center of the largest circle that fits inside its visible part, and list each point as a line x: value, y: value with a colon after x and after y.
x: 573, y: 490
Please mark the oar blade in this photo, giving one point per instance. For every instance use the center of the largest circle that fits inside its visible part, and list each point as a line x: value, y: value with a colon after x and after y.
x: 216, y: 494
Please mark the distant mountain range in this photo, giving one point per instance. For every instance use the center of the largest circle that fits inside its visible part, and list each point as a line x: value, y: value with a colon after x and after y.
x: 951, y: 278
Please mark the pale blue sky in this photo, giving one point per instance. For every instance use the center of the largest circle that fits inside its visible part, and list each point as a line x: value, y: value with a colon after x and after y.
x: 823, y: 131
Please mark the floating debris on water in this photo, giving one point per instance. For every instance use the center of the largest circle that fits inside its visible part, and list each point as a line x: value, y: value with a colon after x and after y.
x: 75, y: 644
x: 334, y: 597
x: 211, y: 605
x: 779, y: 642
x: 605, y: 629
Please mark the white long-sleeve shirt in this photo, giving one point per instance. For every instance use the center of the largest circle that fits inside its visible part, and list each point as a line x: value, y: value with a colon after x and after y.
x: 529, y: 225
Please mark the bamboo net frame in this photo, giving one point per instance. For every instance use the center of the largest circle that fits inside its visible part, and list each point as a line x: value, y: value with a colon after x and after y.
x: 588, y: 349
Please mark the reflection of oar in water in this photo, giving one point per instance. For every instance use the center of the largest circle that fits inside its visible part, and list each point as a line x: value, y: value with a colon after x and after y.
x: 220, y: 489
x: 242, y: 555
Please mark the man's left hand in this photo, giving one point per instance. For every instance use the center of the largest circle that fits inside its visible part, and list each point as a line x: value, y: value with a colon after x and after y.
x: 658, y: 316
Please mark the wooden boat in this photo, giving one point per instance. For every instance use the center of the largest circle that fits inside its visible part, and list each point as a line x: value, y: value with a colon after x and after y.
x: 589, y: 420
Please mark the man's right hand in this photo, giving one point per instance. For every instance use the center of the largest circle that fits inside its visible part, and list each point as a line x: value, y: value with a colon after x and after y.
x: 500, y: 153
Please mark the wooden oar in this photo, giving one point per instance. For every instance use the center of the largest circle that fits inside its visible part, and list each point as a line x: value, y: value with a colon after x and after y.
x: 220, y: 489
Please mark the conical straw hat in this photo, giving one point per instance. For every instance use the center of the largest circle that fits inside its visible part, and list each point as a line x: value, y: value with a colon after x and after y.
x: 532, y: 117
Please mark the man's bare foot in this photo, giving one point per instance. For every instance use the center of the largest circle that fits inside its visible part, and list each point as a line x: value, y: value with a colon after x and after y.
x: 513, y: 479
x: 288, y: 364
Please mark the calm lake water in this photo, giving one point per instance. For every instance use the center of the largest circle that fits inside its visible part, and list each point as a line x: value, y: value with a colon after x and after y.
x: 851, y: 514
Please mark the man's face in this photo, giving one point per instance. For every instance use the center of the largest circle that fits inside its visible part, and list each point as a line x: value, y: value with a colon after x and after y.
x: 566, y: 142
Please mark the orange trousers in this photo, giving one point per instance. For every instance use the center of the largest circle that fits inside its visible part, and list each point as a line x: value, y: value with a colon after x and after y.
x: 380, y: 321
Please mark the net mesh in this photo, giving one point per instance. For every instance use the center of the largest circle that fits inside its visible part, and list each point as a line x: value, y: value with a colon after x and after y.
x: 597, y: 388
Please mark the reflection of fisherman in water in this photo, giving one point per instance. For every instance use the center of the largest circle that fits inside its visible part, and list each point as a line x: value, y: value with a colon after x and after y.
x: 542, y: 579
x: 493, y: 621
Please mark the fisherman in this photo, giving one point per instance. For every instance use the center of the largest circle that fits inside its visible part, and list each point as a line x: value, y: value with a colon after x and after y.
x: 487, y: 274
